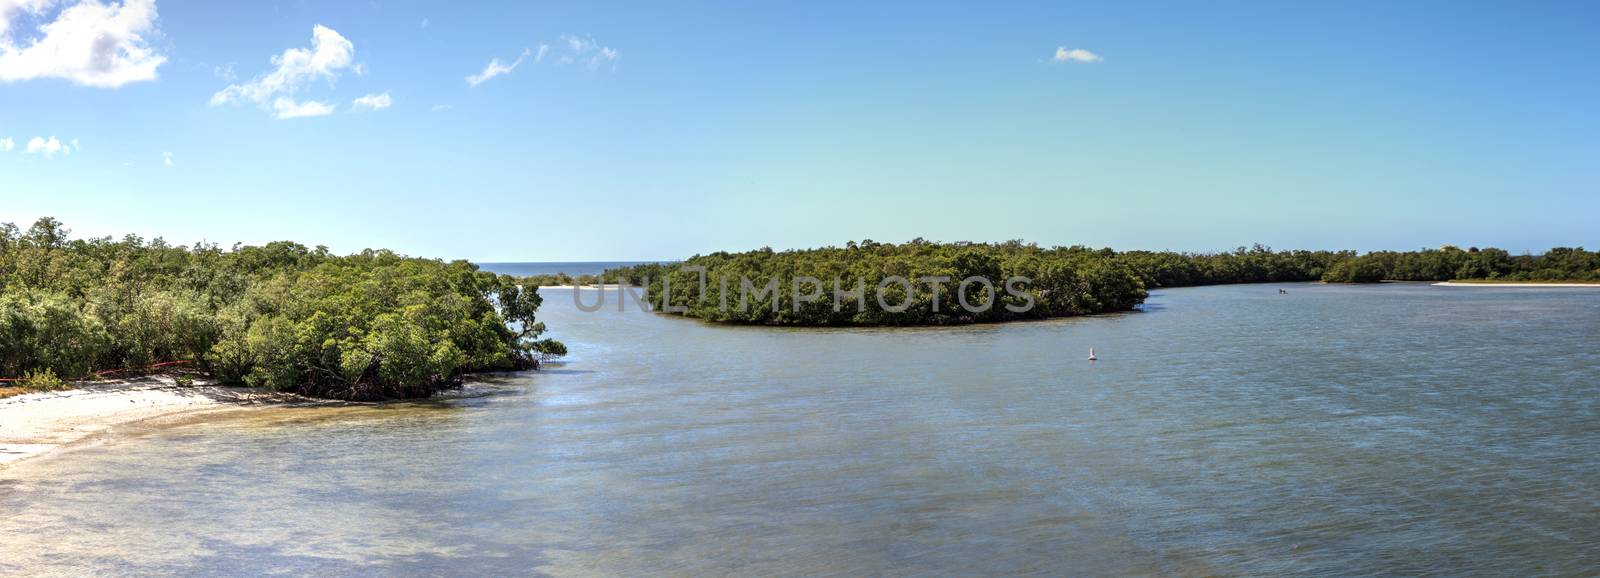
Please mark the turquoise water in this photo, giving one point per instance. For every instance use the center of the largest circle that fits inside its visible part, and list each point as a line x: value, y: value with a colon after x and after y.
x: 1355, y: 431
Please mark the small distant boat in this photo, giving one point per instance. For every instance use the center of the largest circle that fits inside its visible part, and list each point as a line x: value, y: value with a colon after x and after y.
x: 1091, y: 354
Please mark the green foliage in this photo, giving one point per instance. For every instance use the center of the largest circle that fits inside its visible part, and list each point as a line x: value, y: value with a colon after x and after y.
x: 1449, y: 262
x: 42, y: 380
x: 565, y: 280
x: 550, y: 347
x: 45, y: 331
x: 1257, y: 264
x: 1064, y: 281
x: 373, y: 325
x: 1357, y: 270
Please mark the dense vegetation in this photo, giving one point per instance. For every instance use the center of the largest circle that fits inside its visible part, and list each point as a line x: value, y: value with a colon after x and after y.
x: 565, y: 280
x: 1063, y: 281
x: 1448, y: 262
x: 1256, y: 264
x: 378, y: 325
x: 373, y: 325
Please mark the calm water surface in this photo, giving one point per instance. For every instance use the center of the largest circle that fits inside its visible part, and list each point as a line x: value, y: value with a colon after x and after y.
x: 1401, y: 429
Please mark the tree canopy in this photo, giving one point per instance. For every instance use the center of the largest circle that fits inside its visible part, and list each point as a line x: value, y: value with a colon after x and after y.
x: 367, y: 326
x: 922, y: 283
x: 1450, y: 262
x: 1062, y: 281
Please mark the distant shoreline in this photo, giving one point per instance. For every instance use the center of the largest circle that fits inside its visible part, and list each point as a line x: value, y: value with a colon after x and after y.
x: 1514, y: 284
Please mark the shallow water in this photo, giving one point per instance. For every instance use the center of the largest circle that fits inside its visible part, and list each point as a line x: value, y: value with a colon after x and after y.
x: 1395, y: 429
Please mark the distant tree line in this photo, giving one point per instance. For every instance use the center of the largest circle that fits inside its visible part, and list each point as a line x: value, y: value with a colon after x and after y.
x: 1063, y: 281
x: 1256, y: 264
x: 564, y: 280
x: 373, y: 325
x: 915, y: 283
x: 1452, y: 263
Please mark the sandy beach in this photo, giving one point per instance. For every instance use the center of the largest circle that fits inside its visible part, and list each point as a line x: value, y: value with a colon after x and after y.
x: 36, y: 423
x: 1548, y: 285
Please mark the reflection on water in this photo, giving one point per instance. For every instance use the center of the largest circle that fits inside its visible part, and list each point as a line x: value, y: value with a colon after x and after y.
x: 1402, y: 429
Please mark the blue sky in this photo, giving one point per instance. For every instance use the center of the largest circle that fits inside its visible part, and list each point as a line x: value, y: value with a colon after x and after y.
x: 660, y: 130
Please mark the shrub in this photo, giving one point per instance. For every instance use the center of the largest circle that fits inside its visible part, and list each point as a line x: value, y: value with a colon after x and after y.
x: 42, y: 330
x: 550, y: 347
x: 42, y: 380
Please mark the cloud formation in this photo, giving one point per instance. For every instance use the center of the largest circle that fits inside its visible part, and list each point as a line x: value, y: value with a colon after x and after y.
x: 6, y: 144
x: 570, y: 50
x: 372, y: 102
x: 49, y: 148
x: 586, y: 50
x: 329, y: 55
x: 497, y: 68
x: 87, y: 43
x: 166, y: 159
x: 286, y: 108
x: 1075, y: 55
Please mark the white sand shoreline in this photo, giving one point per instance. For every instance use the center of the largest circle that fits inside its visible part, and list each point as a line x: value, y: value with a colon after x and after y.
x: 1516, y: 285
x: 34, y: 424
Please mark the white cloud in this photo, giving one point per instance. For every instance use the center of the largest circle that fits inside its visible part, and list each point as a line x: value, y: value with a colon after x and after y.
x: 1075, y: 55
x: 588, y: 51
x: 287, y: 108
x: 496, y: 68
x: 571, y: 49
x: 372, y: 102
x: 577, y: 45
x: 442, y: 107
x: 166, y: 159
x: 605, y: 55
x: 88, y: 43
x: 424, y: 23
x: 6, y: 144
x: 49, y: 148
x: 329, y: 54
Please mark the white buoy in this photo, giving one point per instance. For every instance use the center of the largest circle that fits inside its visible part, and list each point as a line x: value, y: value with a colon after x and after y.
x: 1091, y: 354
